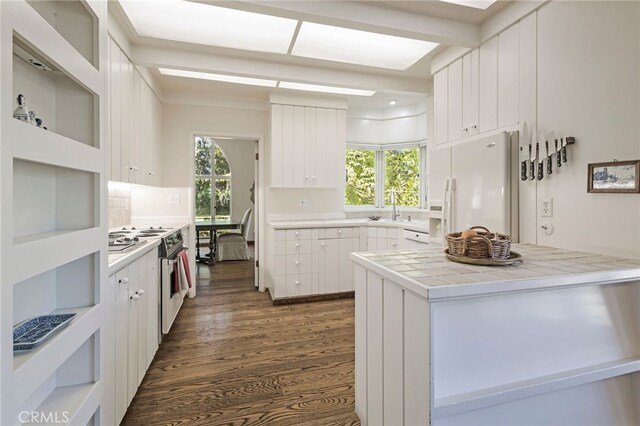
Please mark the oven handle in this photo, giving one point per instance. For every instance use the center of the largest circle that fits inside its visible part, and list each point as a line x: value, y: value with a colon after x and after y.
x: 174, y: 258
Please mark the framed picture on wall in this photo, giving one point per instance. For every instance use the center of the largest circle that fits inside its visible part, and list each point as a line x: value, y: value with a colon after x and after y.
x: 614, y: 177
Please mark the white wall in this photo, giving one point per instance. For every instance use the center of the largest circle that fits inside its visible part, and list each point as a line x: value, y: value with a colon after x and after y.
x: 589, y: 87
x: 180, y: 122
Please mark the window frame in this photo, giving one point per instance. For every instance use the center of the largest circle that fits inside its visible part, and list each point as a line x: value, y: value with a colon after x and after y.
x: 213, y: 177
x: 380, y: 174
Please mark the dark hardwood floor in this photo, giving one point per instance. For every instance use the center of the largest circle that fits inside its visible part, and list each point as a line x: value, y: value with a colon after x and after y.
x: 233, y: 358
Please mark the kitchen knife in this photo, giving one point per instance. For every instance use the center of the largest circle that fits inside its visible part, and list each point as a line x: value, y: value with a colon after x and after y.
x: 540, y: 162
x: 563, y: 142
x: 549, y: 166
x: 558, y: 158
x: 523, y: 174
x: 532, y: 162
x: 523, y: 158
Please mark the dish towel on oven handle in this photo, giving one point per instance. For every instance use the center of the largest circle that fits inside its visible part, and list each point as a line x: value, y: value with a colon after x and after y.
x: 185, y: 273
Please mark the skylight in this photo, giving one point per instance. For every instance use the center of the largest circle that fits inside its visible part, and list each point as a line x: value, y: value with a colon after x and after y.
x: 325, y: 89
x: 211, y: 25
x: 219, y: 77
x: 359, y: 47
x: 477, y: 4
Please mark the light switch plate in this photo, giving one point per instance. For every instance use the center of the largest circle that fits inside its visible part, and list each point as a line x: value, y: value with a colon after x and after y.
x: 304, y: 202
x: 546, y: 207
x: 173, y: 199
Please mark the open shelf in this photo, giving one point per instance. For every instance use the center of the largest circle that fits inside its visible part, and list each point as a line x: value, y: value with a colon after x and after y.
x: 52, y: 199
x: 41, y: 146
x: 69, y: 400
x: 71, y: 393
x: 456, y: 404
x: 74, y: 21
x: 31, y: 369
x: 65, y: 106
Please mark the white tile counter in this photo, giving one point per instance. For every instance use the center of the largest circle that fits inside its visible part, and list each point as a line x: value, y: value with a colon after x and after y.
x: 552, y: 340
x: 430, y: 274
x: 414, y: 225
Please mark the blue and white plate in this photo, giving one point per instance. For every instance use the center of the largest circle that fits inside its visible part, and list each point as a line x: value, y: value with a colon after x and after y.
x: 33, y: 332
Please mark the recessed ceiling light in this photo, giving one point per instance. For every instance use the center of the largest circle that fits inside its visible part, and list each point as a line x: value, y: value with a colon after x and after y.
x: 359, y: 47
x: 393, y: 102
x: 219, y: 77
x: 200, y: 23
x: 478, y: 4
x: 325, y: 89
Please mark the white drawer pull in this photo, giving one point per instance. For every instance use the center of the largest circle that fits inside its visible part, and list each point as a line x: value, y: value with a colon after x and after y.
x: 140, y: 292
x: 393, y: 244
x: 124, y: 280
x: 297, y: 282
x: 339, y: 231
x: 297, y: 233
x: 135, y: 297
x: 322, y: 244
x: 297, y: 262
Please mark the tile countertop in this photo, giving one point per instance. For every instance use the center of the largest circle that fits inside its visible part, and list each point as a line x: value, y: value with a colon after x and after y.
x: 430, y: 274
x: 118, y: 261
x: 414, y: 225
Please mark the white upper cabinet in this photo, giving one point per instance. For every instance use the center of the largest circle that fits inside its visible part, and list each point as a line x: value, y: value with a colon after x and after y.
x: 134, y: 122
x: 440, y: 90
x: 488, y: 90
x: 470, y: 87
x: 454, y: 104
x: 508, y: 60
x: 307, y: 146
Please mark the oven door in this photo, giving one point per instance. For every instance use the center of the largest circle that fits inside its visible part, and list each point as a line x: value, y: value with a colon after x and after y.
x: 171, y: 300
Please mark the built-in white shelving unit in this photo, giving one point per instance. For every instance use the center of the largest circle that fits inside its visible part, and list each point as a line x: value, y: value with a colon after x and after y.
x: 53, y: 222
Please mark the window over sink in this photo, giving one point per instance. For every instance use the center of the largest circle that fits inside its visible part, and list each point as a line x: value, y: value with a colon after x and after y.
x: 372, y: 172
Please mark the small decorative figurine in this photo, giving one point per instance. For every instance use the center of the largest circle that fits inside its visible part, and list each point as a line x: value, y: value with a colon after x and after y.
x: 21, y: 112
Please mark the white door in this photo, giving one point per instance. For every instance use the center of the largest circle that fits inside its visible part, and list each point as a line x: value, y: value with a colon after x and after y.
x: 121, y: 344
x: 132, y: 330
x: 346, y: 265
x: 470, y: 93
x: 508, y: 76
x: 481, y: 191
x: 440, y: 89
x: 153, y: 287
x: 142, y: 317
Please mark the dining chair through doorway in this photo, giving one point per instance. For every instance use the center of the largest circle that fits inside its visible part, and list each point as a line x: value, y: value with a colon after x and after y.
x: 233, y: 245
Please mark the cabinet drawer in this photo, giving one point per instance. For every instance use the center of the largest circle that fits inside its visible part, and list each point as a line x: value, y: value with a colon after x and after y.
x: 418, y: 236
x: 302, y: 264
x: 332, y: 233
x: 299, y: 234
x: 298, y: 246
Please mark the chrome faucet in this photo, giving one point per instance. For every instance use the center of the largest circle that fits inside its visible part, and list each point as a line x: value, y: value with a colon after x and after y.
x: 394, y: 209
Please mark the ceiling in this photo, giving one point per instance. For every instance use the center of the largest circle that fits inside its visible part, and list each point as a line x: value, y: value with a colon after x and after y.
x: 409, y: 19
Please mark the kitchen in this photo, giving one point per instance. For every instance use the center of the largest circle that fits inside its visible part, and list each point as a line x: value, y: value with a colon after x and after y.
x: 121, y: 89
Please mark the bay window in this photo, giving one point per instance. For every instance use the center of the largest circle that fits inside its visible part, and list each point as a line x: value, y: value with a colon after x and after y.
x: 372, y: 173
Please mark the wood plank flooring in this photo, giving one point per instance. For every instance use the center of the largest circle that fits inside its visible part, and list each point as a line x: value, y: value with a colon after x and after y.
x: 232, y: 358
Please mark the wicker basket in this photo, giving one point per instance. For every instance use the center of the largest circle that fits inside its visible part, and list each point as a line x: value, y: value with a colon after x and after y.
x: 484, y: 245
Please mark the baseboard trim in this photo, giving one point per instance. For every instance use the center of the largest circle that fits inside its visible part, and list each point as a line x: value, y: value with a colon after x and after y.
x: 314, y: 298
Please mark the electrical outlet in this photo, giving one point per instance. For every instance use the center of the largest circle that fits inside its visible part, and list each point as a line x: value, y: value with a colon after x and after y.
x: 173, y: 199
x: 304, y: 202
x: 546, y: 207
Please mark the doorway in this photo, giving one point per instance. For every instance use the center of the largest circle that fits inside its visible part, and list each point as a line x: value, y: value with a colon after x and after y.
x: 226, y: 187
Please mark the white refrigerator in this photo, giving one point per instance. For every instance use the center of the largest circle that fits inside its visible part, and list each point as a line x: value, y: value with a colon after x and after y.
x: 482, y: 188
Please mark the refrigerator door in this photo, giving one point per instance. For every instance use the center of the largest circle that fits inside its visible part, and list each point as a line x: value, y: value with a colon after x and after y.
x: 481, y: 194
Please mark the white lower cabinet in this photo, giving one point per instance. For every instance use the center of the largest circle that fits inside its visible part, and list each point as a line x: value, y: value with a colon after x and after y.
x: 382, y: 238
x: 135, y: 314
x: 313, y: 261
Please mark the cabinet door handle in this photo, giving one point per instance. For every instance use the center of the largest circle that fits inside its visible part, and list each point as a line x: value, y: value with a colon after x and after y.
x: 134, y: 168
x: 135, y: 297
x: 322, y: 244
x: 306, y: 177
x: 339, y: 231
x: 297, y: 244
x: 297, y: 233
x: 393, y: 244
x: 297, y: 262
x: 140, y: 292
x: 297, y: 282
x: 313, y: 177
x: 474, y: 126
x: 466, y: 129
x: 124, y: 280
